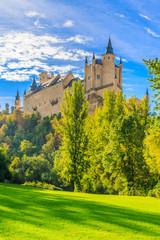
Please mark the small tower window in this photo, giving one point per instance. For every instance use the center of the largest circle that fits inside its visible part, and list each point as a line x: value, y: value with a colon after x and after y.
x: 98, y: 76
x: 89, y: 77
x: 108, y: 57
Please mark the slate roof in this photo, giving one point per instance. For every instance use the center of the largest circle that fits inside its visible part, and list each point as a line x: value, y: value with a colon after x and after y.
x: 98, y: 61
x: 73, y: 80
x: 33, y: 85
x: 109, y: 48
x: 17, y: 95
x: 54, y: 81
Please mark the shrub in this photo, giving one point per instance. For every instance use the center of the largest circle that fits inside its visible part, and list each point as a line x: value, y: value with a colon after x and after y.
x: 155, y: 192
x: 44, y: 185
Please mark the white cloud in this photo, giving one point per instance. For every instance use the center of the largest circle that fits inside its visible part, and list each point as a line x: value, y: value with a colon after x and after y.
x: 129, y: 89
x: 123, y: 59
x: 120, y: 15
x: 79, y: 39
x: 34, y: 14
x: 143, y: 16
x: 5, y: 97
x: 63, y: 69
x: 151, y: 32
x: 38, y: 25
x: 24, y: 54
x: 68, y: 23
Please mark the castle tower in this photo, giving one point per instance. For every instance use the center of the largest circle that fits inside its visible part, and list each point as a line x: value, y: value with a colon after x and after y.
x: 85, y: 72
x: 17, y: 102
x: 120, y: 71
x: 108, y: 62
x: 103, y: 73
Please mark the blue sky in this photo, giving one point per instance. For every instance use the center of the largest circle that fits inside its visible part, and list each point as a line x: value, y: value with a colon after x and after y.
x: 55, y: 36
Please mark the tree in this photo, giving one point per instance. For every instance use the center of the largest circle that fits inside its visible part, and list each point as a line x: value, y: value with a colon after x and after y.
x: 74, y: 138
x: 27, y: 148
x: 154, y: 69
x: 152, y: 149
x: 7, y: 107
x: 4, y: 171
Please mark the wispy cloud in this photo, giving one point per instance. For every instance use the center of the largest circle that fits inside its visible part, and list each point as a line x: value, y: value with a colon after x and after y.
x: 38, y: 25
x: 5, y: 97
x: 123, y: 59
x: 31, y: 14
x: 151, y: 32
x: 143, y: 16
x: 120, y: 15
x: 68, y: 23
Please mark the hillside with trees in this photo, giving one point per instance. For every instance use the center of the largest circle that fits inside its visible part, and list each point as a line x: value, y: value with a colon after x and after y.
x: 114, y: 151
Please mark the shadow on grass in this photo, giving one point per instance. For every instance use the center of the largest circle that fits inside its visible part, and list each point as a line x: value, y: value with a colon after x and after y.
x: 38, y: 207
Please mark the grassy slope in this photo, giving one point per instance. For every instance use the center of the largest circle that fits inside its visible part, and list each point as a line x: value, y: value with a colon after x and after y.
x: 31, y: 213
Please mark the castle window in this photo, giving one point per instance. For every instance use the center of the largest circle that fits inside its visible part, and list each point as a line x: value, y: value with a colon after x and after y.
x: 39, y: 104
x: 44, y: 102
x: 108, y: 57
x: 98, y: 76
x: 89, y: 77
x: 104, y: 58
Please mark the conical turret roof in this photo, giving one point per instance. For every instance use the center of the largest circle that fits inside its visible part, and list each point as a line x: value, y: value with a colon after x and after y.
x: 147, y: 91
x: 17, y: 95
x: 33, y: 85
x: 86, y: 61
x: 109, y: 48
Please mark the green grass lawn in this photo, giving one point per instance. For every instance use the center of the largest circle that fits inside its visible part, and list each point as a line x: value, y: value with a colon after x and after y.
x: 32, y: 213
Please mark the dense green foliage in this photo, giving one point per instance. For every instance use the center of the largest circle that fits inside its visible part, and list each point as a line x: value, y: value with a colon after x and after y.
x: 114, y: 151
x: 154, y: 70
x: 74, y: 137
x: 32, y: 214
x: 4, y: 162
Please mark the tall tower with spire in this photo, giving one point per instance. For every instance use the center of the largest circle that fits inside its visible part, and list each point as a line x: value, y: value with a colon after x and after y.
x: 103, y: 73
x: 17, y: 102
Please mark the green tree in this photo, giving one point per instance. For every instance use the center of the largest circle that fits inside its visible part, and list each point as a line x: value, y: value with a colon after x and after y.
x: 74, y: 138
x: 154, y: 69
x: 152, y: 149
x: 4, y: 170
x: 27, y: 148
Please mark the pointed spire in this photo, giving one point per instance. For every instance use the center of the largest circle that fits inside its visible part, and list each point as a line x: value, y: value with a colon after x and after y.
x: 93, y: 57
x: 147, y: 91
x: 109, y: 48
x: 24, y: 92
x: 86, y: 61
x: 120, y: 61
x: 33, y: 85
x: 17, y: 95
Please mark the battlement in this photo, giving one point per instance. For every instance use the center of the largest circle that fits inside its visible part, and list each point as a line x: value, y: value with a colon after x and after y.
x: 44, y: 77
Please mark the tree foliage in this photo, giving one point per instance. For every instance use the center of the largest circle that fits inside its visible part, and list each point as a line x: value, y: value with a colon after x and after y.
x: 154, y: 70
x: 74, y: 138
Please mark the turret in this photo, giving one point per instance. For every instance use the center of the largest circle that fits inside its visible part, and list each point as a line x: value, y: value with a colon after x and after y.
x: 109, y: 48
x: 85, y: 66
x: 120, y: 71
x: 17, y: 102
x: 93, y: 59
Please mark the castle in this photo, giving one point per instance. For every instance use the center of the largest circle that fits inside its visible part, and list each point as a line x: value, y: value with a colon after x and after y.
x: 99, y: 75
